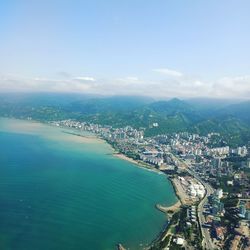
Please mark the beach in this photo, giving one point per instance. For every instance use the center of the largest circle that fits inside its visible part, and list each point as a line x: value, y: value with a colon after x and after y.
x: 138, y: 163
x: 124, y: 157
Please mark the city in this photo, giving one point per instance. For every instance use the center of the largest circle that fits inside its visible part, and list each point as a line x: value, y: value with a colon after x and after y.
x: 210, y: 180
x: 125, y: 125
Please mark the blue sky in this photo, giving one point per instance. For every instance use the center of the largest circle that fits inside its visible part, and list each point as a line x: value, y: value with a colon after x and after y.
x: 159, y: 48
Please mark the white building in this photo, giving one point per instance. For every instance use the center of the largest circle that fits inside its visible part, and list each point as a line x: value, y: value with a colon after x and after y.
x: 219, y: 193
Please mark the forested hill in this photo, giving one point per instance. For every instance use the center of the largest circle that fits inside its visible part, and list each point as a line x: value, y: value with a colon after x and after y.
x: 157, y: 117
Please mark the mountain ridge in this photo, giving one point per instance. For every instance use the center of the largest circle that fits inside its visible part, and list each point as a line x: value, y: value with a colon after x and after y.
x: 157, y: 117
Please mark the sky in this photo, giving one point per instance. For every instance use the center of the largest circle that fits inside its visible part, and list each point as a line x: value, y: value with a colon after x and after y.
x: 159, y: 48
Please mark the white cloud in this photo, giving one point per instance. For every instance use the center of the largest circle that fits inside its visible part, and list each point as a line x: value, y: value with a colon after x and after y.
x: 129, y: 79
x: 16, y: 83
x: 132, y: 78
x: 168, y: 72
x: 41, y: 79
x: 238, y: 86
x: 185, y: 86
x: 84, y: 79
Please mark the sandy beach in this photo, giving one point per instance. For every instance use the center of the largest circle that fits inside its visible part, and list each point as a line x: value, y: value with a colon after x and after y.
x: 137, y: 163
x: 124, y: 157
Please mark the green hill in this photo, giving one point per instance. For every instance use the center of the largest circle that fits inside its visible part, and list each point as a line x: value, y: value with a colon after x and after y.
x: 157, y: 117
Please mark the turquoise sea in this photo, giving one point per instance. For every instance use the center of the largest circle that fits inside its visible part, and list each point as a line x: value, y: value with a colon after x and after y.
x: 60, y: 191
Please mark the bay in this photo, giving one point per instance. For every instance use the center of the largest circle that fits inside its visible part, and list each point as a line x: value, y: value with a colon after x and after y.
x: 60, y: 191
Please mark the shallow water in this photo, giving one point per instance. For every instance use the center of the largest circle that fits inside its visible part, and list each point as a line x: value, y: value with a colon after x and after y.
x: 60, y: 191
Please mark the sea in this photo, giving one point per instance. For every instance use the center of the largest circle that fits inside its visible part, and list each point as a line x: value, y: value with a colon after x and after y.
x: 62, y: 191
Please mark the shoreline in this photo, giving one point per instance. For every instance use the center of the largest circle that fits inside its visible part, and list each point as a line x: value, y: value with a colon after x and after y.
x: 124, y: 157
x: 168, y: 210
x: 135, y: 162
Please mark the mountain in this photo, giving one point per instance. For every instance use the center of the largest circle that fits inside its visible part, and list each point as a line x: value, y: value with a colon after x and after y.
x: 171, y: 107
x: 211, y: 103
x: 157, y: 117
x: 239, y: 110
x: 51, y: 106
x: 109, y: 104
x: 41, y: 99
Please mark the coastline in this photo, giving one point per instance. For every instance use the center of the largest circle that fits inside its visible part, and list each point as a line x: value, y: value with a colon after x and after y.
x: 124, y: 157
x: 177, y: 190
x: 168, y: 210
x: 135, y: 162
x: 152, y: 229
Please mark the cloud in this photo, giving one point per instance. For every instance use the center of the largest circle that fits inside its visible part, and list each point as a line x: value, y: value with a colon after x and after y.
x: 129, y: 79
x: 238, y: 86
x: 184, y: 87
x: 168, y: 72
x: 84, y: 79
x: 41, y: 79
x: 132, y: 79
x: 17, y: 83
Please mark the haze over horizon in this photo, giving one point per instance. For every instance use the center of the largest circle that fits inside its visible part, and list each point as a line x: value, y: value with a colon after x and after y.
x: 160, y: 49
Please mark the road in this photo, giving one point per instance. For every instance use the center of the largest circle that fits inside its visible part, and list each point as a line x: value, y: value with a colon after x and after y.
x: 206, y: 241
x: 206, y: 238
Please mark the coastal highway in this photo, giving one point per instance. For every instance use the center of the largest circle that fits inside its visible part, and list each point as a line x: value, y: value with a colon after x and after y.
x: 206, y: 238
x: 206, y: 241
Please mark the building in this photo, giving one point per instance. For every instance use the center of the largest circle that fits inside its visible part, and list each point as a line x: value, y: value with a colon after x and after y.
x: 216, y: 162
x: 242, y: 210
x: 180, y: 241
x: 247, y: 215
x: 219, y: 193
x: 242, y: 151
x: 248, y: 163
x: 219, y: 233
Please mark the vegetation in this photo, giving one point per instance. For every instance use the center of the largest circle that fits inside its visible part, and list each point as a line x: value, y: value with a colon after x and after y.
x: 159, y: 117
x: 230, y: 202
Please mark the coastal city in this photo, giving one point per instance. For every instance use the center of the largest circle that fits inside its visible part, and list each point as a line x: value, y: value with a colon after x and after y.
x: 124, y: 125
x: 210, y: 178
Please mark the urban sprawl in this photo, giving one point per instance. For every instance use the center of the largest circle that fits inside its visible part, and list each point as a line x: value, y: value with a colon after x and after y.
x: 210, y: 178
